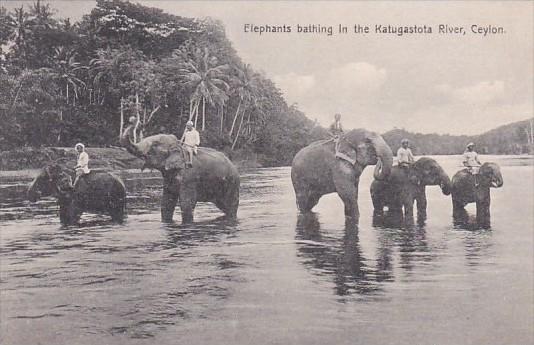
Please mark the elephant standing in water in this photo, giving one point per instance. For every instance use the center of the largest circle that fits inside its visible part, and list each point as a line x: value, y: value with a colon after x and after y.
x: 465, y: 191
x: 329, y: 166
x: 405, y: 185
x: 213, y: 177
x: 97, y: 192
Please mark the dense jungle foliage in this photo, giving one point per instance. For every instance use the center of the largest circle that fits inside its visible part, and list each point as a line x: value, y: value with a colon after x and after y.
x: 64, y: 82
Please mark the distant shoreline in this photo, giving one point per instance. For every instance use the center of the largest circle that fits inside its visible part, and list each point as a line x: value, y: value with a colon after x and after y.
x: 116, y: 158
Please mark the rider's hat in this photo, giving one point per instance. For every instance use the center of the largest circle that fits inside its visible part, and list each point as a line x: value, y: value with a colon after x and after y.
x: 79, y: 145
x: 470, y: 145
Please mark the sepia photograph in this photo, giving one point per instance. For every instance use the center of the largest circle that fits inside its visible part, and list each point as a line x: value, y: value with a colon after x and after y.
x: 266, y: 172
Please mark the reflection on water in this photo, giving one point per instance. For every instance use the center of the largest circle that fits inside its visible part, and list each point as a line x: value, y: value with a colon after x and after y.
x: 340, y: 258
x: 272, y: 275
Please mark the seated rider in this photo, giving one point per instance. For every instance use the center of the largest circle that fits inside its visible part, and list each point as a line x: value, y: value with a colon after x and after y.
x: 335, y: 128
x: 471, y: 161
x: 404, y: 154
x: 82, y: 167
x: 191, y: 140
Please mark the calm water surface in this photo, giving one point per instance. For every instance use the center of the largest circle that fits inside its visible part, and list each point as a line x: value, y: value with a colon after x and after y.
x: 272, y: 277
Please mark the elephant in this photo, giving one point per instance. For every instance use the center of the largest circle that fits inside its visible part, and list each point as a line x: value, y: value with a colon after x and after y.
x: 335, y: 165
x: 465, y: 191
x: 406, y: 185
x: 212, y: 177
x: 97, y: 192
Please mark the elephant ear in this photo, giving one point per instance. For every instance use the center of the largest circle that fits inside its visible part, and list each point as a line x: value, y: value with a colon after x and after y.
x: 53, y: 171
x: 175, y: 160
x: 346, y: 152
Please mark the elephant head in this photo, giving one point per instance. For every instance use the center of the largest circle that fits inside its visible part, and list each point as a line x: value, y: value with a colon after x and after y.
x: 490, y: 175
x: 367, y: 148
x: 428, y: 172
x: 162, y: 151
x: 52, y: 180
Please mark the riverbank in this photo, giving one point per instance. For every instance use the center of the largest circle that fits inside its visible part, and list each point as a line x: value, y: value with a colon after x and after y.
x: 112, y: 158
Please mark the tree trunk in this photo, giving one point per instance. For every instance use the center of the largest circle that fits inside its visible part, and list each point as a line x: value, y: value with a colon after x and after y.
x: 136, y: 116
x: 60, y: 126
x: 67, y: 93
x: 203, y: 113
x: 221, y: 114
x: 122, y: 119
x: 235, y: 118
x: 238, y: 130
x: 196, y: 113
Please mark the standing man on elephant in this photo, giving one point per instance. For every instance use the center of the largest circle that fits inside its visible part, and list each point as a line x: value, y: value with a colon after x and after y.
x: 191, y: 140
x: 336, y: 129
x: 82, y: 166
x: 404, y: 154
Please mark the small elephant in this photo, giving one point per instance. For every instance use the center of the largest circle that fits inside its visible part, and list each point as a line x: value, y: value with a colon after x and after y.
x: 406, y: 185
x: 466, y: 188
x: 97, y: 192
x: 212, y: 177
x: 330, y: 166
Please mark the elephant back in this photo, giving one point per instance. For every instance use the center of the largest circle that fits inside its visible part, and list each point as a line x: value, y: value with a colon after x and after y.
x: 100, y: 183
x: 462, y: 181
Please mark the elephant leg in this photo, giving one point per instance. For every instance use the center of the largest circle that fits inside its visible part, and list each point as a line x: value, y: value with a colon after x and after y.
x: 408, y: 207
x: 421, y: 204
x: 229, y: 202
x: 117, y: 211
x: 168, y: 204
x: 459, y: 214
x: 307, y: 200
x: 64, y: 215
x: 350, y: 200
x: 483, y: 214
x: 346, y: 180
x: 378, y: 197
x: 187, y: 207
x: 188, y: 200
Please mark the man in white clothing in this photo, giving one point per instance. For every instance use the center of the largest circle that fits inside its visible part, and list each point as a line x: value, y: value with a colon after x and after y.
x: 191, y: 140
x: 471, y: 161
x: 82, y: 166
x: 404, y: 154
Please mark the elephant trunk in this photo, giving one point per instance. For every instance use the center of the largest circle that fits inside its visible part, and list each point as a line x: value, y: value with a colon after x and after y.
x: 384, y: 158
x: 33, y: 194
x: 497, y: 181
x: 126, y: 141
x: 445, y: 184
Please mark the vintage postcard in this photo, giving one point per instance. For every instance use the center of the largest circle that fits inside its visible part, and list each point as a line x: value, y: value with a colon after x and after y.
x: 266, y: 172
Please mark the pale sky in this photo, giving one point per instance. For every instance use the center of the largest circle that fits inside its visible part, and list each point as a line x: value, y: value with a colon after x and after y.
x: 457, y: 84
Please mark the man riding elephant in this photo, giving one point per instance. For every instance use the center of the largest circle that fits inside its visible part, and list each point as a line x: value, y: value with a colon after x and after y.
x: 101, y: 192
x: 329, y: 166
x: 406, y: 185
x: 212, y: 176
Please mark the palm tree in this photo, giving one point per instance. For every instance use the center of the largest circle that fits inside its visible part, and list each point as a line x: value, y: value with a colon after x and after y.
x: 65, y: 70
x: 105, y: 72
x: 21, y: 24
x: 246, y: 88
x: 207, y: 80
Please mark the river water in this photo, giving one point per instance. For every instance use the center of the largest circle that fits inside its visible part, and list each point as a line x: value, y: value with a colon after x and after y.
x: 272, y: 277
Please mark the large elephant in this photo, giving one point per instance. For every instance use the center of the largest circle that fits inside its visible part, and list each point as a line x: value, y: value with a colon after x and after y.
x: 465, y: 191
x: 406, y: 185
x: 330, y: 166
x: 213, y: 177
x: 97, y: 192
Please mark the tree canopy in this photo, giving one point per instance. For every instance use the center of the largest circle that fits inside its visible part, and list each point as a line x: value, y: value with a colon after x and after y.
x: 64, y: 82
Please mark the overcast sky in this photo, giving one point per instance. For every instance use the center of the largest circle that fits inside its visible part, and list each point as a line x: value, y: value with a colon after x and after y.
x: 457, y: 84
